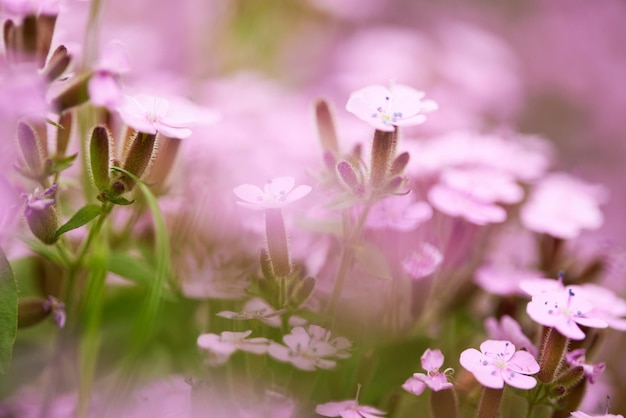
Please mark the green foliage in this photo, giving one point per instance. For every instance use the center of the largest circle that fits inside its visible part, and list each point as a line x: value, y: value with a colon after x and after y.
x: 80, y: 218
x: 8, y: 312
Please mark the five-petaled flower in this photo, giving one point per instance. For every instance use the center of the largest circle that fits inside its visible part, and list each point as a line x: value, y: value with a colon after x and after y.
x: 432, y: 360
x: 563, y: 310
x: 348, y: 409
x: 221, y: 347
x: 310, y: 349
x: 151, y: 115
x: 498, y: 363
x: 384, y: 108
x: 276, y: 193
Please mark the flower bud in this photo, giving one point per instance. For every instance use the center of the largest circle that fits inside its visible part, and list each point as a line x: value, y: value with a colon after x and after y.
x: 45, y: 31
x: 100, y: 156
x: 73, y: 94
x: 41, y: 215
x: 31, y: 311
x: 58, y: 63
x: 570, y: 377
x: 326, y: 127
x: 30, y: 146
x: 300, y: 291
x: 399, y: 164
x: 138, y: 157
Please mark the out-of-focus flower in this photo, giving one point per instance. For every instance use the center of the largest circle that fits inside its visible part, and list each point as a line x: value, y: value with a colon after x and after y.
x: 310, y: 349
x: 508, y: 329
x: 221, y: 347
x: 257, y: 308
x: 31, y: 7
x: 523, y: 157
x: 498, y: 363
x: 503, y: 280
x: 400, y: 213
x: 423, y: 261
x: 104, y: 87
x: 562, y: 206
x: 276, y: 193
x: 578, y: 414
x: 576, y: 358
x: 348, y: 409
x: 563, y: 310
x: 472, y: 194
x: 606, y: 304
x: 151, y: 115
x: 432, y: 360
x: 459, y: 203
x: 385, y: 108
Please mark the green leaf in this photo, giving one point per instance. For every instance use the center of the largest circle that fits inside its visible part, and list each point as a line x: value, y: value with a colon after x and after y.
x: 8, y: 312
x: 80, y: 218
x: 63, y: 163
x: 117, y: 200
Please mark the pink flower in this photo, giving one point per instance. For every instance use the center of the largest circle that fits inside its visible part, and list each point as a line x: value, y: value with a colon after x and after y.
x: 423, y: 261
x: 498, y: 363
x: 578, y: 414
x: 503, y: 280
x: 276, y: 193
x: 221, y: 347
x: 257, y: 308
x: 576, y: 358
x: 151, y: 115
x: 310, y: 349
x: 606, y: 304
x: 400, y: 213
x: 432, y: 360
x: 39, y: 200
x: 104, y: 87
x: 384, y: 108
x: 510, y: 330
x: 564, y: 310
x: 454, y: 202
x: 348, y: 409
x: 562, y: 206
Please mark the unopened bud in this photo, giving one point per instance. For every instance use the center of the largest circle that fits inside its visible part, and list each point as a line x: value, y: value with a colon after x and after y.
x: 45, y: 31
x: 100, y: 156
x: 347, y: 175
x: 58, y: 63
x: 41, y: 215
x: 399, y: 164
x: 31, y: 149
x: 138, y: 157
x: 326, y: 127
x: 73, y: 94
x: 31, y: 311
x: 301, y: 290
x: 28, y: 31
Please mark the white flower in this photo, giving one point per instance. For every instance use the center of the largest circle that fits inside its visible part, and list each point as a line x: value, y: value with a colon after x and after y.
x: 276, y: 193
x: 384, y: 108
x: 221, y: 347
